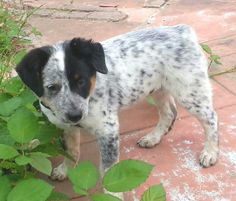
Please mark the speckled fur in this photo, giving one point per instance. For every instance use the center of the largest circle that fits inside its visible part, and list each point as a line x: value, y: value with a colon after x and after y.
x: 167, y: 60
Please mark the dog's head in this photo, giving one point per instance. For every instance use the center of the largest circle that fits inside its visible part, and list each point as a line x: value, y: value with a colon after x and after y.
x: 63, y: 76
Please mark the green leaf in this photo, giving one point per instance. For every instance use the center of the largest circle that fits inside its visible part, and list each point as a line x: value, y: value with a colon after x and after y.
x: 4, y: 97
x: 85, y: 175
x: 5, y: 137
x: 28, y: 97
x: 13, y: 86
x: 154, y: 193
x: 104, y: 197
x: 7, y: 152
x: 45, y: 155
x: 151, y: 101
x: 22, y: 160
x: 51, y: 149
x: 58, y: 196
x: 126, y: 175
x: 23, y: 126
x: 19, y: 56
x: 215, y: 58
x: 80, y: 191
x: 46, y: 133
x: 206, y: 48
x: 218, y: 62
x: 5, y: 188
x: 41, y: 163
x: 9, y: 106
x: 30, y: 190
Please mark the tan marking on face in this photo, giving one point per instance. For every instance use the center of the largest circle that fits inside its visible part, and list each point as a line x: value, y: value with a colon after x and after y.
x: 46, y: 103
x: 93, y: 83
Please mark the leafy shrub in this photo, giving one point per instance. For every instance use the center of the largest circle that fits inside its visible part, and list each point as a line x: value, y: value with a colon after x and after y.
x: 27, y: 139
x: 122, y: 177
x: 213, y: 58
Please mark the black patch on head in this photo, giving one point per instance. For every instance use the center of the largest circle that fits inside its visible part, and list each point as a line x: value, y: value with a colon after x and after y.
x: 31, y: 66
x: 82, y: 59
x: 79, y: 74
x: 90, y: 52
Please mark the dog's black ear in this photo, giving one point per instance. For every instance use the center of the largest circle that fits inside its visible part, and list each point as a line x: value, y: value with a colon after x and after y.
x: 31, y: 66
x: 91, y: 51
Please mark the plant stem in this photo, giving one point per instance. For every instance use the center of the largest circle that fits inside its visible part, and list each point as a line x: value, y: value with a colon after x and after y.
x: 231, y: 70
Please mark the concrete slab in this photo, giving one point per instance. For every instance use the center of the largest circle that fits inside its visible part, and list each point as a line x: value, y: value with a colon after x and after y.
x: 54, y: 30
x: 211, y: 19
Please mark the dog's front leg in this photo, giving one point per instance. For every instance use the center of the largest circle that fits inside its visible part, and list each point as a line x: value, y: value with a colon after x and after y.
x: 72, y: 144
x: 109, y: 148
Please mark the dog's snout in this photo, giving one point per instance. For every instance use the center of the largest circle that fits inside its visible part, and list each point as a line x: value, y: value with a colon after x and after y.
x: 74, y: 117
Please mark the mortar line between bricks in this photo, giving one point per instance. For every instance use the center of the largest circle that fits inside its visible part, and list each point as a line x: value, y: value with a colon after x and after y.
x: 230, y: 91
x: 219, y: 38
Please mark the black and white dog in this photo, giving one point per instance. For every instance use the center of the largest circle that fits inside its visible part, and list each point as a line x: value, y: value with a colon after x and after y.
x: 81, y: 83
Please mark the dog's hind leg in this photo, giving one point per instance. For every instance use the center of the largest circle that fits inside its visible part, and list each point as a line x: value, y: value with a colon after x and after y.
x: 195, y: 94
x: 167, y: 114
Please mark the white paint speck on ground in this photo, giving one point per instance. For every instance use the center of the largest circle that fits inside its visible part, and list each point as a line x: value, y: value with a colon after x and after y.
x: 230, y: 156
x: 188, y: 142
x: 134, y: 196
x: 186, y: 195
x: 128, y: 149
x: 188, y: 158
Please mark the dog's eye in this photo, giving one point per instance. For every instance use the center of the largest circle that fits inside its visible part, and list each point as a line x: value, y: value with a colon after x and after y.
x: 53, y: 87
x: 81, y: 82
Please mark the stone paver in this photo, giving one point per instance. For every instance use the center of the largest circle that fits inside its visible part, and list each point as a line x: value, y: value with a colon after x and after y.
x: 76, y: 10
x: 176, y: 158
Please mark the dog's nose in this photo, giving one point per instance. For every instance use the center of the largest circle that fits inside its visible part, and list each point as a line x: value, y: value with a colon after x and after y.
x: 74, y: 117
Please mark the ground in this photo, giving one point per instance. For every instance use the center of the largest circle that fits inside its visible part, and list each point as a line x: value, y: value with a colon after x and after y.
x: 176, y: 158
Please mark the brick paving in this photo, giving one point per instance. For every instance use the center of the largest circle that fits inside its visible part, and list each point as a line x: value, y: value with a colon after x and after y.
x: 176, y: 158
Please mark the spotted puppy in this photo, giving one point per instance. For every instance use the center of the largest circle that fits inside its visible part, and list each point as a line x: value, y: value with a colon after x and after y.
x: 81, y: 83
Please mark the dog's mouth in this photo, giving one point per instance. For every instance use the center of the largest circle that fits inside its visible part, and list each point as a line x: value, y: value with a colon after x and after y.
x: 69, y: 123
x: 78, y: 125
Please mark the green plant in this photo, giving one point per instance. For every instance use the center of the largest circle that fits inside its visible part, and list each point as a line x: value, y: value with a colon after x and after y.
x: 26, y: 137
x: 213, y: 58
x: 122, y: 177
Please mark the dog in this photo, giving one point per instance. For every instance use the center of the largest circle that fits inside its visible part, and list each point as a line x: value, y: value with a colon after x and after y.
x: 82, y: 83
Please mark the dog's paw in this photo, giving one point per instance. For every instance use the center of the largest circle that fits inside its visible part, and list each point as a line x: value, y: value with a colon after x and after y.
x: 149, y: 141
x: 208, y: 157
x: 59, y: 173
